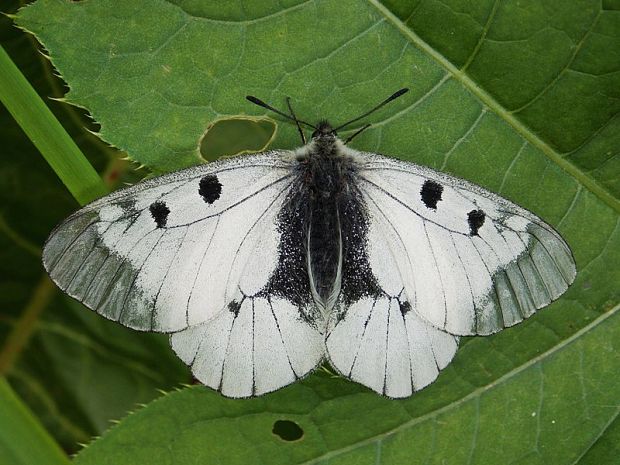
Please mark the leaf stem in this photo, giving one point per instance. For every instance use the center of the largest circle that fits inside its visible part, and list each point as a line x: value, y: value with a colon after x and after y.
x: 47, y: 134
x: 25, y: 325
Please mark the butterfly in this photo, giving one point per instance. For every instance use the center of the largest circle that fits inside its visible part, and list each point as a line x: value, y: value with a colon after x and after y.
x: 262, y: 267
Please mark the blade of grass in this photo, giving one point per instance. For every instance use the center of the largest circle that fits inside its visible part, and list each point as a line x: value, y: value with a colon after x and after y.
x: 23, y: 441
x: 47, y: 134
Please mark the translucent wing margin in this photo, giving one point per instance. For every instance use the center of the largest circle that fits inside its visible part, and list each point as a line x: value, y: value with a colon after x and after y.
x: 471, y: 261
x: 170, y: 252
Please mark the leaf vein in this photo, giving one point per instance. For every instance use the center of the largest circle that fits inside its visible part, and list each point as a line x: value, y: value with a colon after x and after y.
x: 474, y: 394
x: 588, y: 181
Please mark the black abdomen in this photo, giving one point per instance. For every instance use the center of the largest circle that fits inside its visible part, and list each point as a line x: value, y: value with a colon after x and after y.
x: 324, y: 248
x: 323, y: 226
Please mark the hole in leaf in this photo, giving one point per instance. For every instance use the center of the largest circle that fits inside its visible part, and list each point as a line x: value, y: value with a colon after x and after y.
x: 287, y: 430
x: 234, y: 136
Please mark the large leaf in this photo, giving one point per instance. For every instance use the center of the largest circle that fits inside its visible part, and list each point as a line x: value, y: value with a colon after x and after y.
x: 521, y: 416
x: 520, y: 97
x: 75, y: 371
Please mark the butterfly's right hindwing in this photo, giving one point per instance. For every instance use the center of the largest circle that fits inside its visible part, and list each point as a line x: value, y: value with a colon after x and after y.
x: 171, y: 252
x: 374, y: 335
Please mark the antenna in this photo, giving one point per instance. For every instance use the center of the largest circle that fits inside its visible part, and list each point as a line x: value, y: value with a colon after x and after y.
x: 301, y: 132
x: 357, y: 133
x: 260, y: 103
x: 395, y: 95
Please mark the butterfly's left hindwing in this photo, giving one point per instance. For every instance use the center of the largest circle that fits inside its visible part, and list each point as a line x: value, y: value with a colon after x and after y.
x: 259, y: 345
x: 271, y: 334
x: 471, y: 262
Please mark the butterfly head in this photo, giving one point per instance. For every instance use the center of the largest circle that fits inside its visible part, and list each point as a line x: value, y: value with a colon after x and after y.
x: 324, y: 130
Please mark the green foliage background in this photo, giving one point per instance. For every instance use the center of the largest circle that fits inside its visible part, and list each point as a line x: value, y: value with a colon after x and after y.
x: 521, y: 97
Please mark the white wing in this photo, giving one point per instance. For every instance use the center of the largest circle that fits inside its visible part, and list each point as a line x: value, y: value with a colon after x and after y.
x: 471, y: 262
x: 272, y: 333
x: 172, y: 252
x: 211, y: 255
x: 378, y: 340
x: 261, y: 346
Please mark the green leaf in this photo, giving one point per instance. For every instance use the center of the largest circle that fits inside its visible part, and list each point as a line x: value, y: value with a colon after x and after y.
x: 22, y: 439
x: 519, y: 97
x: 520, y: 416
x: 606, y: 449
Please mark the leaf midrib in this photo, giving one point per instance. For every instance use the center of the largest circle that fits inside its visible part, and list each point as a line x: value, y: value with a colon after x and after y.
x: 474, y: 394
x: 460, y: 75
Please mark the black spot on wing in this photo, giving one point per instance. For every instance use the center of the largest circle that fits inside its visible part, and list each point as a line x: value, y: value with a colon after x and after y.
x: 405, y: 307
x: 159, y: 212
x: 210, y: 188
x: 475, y: 218
x: 431, y: 193
x: 128, y: 205
x: 234, y: 307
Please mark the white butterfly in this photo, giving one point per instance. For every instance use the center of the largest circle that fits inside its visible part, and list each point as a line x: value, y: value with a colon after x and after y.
x: 261, y: 267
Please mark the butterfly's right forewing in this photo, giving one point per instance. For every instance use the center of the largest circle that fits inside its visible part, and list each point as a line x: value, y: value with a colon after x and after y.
x: 472, y: 261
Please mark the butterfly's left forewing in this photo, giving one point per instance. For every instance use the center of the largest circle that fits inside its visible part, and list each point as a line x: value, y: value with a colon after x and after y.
x: 166, y: 254
x: 471, y: 262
